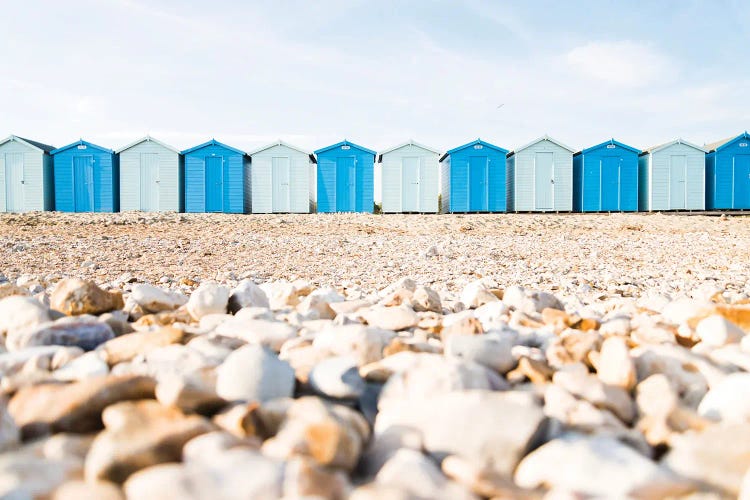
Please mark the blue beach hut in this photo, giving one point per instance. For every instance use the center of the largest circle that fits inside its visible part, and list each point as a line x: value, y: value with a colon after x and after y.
x: 605, y: 178
x: 345, y: 178
x: 474, y: 178
x: 86, y: 178
x: 728, y: 173
x: 217, y: 178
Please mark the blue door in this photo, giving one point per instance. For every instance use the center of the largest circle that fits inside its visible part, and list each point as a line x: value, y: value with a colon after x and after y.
x: 345, y: 184
x: 83, y: 183
x: 214, y: 184
x: 478, y: 184
x: 741, y: 181
x: 610, y: 189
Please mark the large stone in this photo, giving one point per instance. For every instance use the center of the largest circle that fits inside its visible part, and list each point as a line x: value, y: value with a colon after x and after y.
x: 491, y: 350
x: 729, y: 400
x: 74, y: 297
x: 363, y: 343
x: 280, y: 295
x: 193, y: 392
x: 717, y: 331
x: 234, y: 474
x: 337, y: 378
x: 504, y: 425
x: 154, y: 299
x: 303, y: 478
x: 477, y: 293
x: 271, y: 334
x: 82, y: 367
x: 75, y: 407
x: 126, y: 347
x: 139, y: 434
x: 391, y: 318
x: 247, y: 294
x: 597, y: 466
x: 254, y: 373
x: 209, y: 298
x: 25, y: 474
x: 318, y: 304
x: 19, y: 313
x: 717, y: 457
x: 615, y: 366
x: 82, y: 490
x: 426, y: 299
x: 86, y: 334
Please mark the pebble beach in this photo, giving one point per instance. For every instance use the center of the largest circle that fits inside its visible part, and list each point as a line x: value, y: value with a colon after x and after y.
x: 532, y: 356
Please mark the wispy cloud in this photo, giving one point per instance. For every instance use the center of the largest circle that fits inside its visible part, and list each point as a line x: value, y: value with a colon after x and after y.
x: 622, y: 63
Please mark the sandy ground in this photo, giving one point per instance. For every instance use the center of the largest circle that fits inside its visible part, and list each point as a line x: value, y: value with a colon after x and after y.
x: 624, y: 253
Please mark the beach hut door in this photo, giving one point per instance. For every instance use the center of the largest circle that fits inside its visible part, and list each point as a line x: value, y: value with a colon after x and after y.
x: 14, y: 182
x: 610, y: 186
x: 741, y: 181
x: 544, y: 181
x: 677, y: 168
x: 280, y: 180
x: 83, y: 183
x: 150, y: 182
x: 478, y: 184
x: 410, y: 184
x: 214, y: 184
x: 345, y: 184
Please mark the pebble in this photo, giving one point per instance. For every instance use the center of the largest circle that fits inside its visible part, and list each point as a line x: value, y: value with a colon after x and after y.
x: 209, y: 298
x: 18, y: 313
x: 491, y: 350
x: 153, y: 299
x: 247, y: 294
x: 254, y: 373
x: 87, y: 334
x: 391, y: 318
x: 271, y: 334
x: 615, y: 366
x: 338, y: 378
x: 74, y: 297
x: 729, y: 400
x: 716, y: 331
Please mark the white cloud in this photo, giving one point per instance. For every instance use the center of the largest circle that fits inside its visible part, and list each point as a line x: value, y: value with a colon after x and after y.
x: 622, y: 63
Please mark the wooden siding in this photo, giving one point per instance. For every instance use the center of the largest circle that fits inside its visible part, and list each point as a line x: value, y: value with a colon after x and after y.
x: 364, y: 163
x: 262, y: 179
x: 695, y: 177
x: 460, y: 186
x: 445, y: 190
x: 36, y: 189
x: 234, y: 179
x: 720, y: 175
x: 590, y: 191
x: 524, y: 196
x: 510, y: 175
x: 106, y: 179
x: 170, y: 187
x: 392, y: 179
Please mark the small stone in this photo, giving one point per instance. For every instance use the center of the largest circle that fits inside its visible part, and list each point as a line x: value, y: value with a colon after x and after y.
x: 82, y: 490
x: 139, y: 434
x: 729, y: 400
x: 9, y: 289
x: 83, y: 367
x: 254, y: 373
x: 74, y: 297
x: 271, y: 334
x: 426, y: 299
x: 476, y: 294
x: 491, y: 350
x: 350, y: 306
x: 153, y: 299
x: 193, y: 392
x: 19, y: 313
x: 303, y: 478
x: 318, y: 303
x: 86, y: 334
x: 247, y: 294
x: 365, y: 344
x: 617, y: 326
x: 337, y: 378
x: 206, y: 447
x: 559, y: 463
x: 615, y: 366
x: 391, y: 318
x: 209, y: 298
x: 75, y: 407
x: 576, y: 379
x: 717, y: 331
x: 280, y: 295
x: 126, y: 347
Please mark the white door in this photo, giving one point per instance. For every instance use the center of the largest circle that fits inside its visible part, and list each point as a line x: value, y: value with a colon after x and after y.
x: 410, y: 175
x: 677, y: 171
x: 14, y: 182
x: 544, y: 181
x: 280, y: 184
x: 150, y: 182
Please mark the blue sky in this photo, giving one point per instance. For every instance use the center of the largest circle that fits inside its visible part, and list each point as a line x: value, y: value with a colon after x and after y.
x: 376, y: 72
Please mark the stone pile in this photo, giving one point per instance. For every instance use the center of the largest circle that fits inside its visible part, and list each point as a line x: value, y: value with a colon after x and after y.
x: 288, y: 390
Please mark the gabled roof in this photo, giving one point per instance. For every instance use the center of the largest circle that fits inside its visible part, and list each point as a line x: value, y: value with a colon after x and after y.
x: 536, y: 141
x: 715, y: 146
x: 81, y: 142
x: 410, y: 142
x: 471, y: 144
x: 285, y: 144
x: 608, y: 143
x: 148, y: 138
x: 344, y: 143
x: 659, y: 147
x: 44, y: 148
x: 212, y: 142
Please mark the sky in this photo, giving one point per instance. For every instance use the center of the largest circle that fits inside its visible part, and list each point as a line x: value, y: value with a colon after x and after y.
x: 376, y: 72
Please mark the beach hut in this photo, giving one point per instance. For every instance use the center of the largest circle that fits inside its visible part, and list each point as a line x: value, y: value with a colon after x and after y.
x: 345, y: 178
x: 473, y: 178
x: 86, y: 178
x: 26, y: 182
x: 410, y: 175
x: 151, y: 176
x: 540, y: 177
x: 605, y: 178
x: 280, y: 179
x: 672, y: 176
x: 216, y: 178
x: 728, y: 173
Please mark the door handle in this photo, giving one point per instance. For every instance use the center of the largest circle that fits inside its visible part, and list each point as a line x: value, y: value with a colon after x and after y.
x: 552, y: 181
